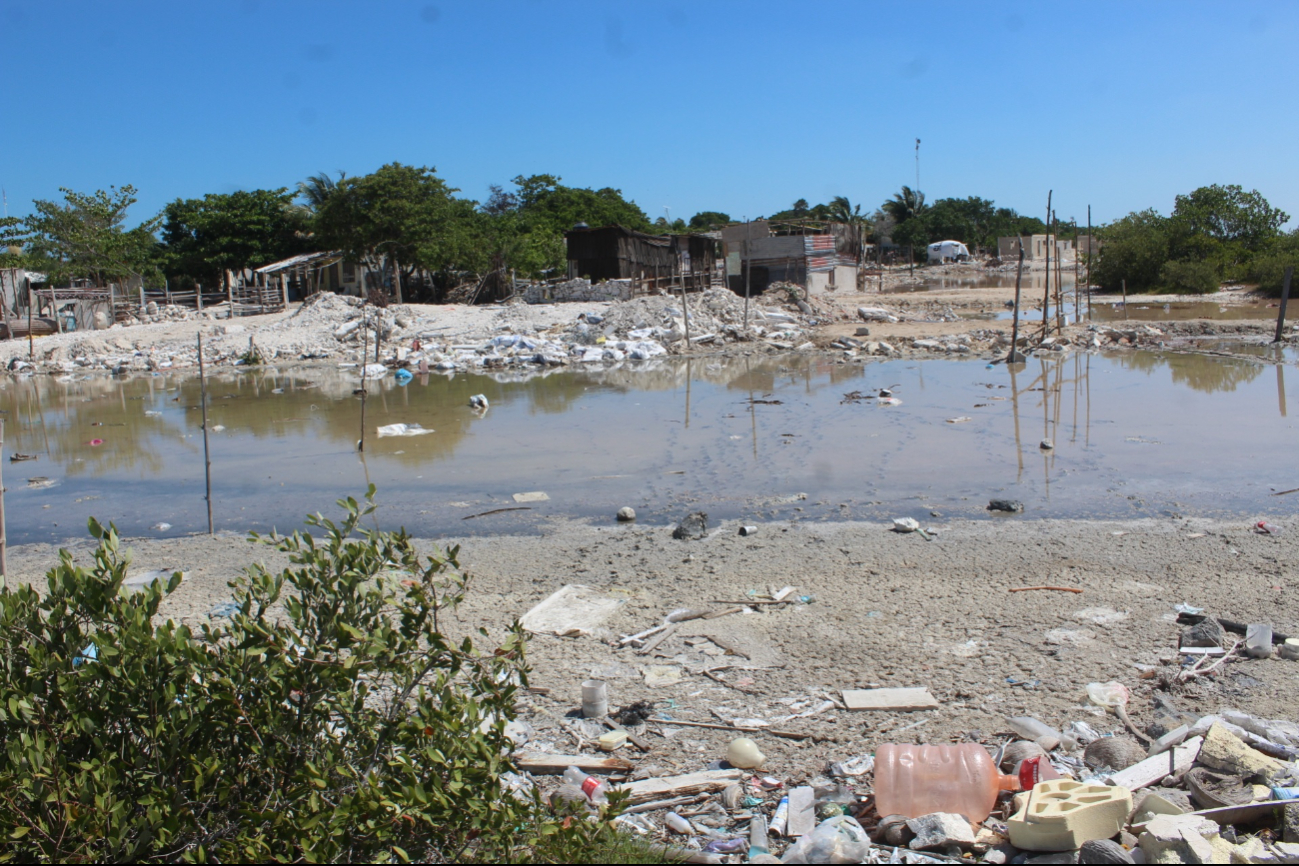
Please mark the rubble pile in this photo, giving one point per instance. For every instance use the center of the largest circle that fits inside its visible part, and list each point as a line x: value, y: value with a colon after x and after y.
x: 1221, y: 787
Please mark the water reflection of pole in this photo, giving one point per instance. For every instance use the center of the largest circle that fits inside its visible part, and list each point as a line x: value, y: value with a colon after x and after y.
x: 1074, y: 436
x: 365, y: 351
x: 1281, y: 396
x: 687, y: 393
x: 1087, y: 427
x: 1046, y: 295
x: 753, y: 415
x: 207, y: 459
x: 1046, y: 421
x: 1014, y: 401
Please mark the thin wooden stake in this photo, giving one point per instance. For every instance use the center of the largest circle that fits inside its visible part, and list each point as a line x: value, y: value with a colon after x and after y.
x: 685, y: 308
x: 1046, y: 297
x: 1125, y: 298
x: 747, y: 267
x: 1285, y: 298
x: 207, y: 454
x: 4, y: 566
x: 1014, y: 328
x: 365, y: 351
x: 1089, y: 263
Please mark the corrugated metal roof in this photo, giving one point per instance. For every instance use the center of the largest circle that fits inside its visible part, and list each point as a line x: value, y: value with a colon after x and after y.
x: 295, y: 261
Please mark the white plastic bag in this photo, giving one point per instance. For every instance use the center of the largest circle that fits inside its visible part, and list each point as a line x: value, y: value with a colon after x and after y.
x: 835, y: 840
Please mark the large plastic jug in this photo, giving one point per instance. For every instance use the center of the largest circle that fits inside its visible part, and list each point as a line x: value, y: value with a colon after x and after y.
x: 917, y: 780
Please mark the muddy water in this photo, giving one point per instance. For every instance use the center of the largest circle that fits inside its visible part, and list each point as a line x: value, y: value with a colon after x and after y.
x: 1136, y: 434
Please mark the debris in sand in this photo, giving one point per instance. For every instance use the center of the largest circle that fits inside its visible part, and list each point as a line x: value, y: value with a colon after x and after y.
x: 572, y: 610
x: 904, y: 700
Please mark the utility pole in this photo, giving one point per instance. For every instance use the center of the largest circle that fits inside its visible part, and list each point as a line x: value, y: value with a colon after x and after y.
x: 917, y: 165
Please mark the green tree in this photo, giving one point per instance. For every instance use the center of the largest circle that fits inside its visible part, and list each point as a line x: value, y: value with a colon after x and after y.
x: 905, y: 204
x: 800, y: 209
x: 205, y: 237
x: 315, y: 191
x: 708, y: 220
x: 85, y: 237
x: 968, y: 220
x: 1224, y: 225
x: 1134, y: 250
x: 401, y: 218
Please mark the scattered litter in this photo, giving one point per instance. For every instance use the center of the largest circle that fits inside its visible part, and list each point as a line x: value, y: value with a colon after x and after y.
x: 161, y: 527
x: 657, y: 676
x: 17, y: 458
x: 403, y: 430
x: 534, y: 496
x: 1009, y: 506
x: 571, y: 611
x: 960, y: 420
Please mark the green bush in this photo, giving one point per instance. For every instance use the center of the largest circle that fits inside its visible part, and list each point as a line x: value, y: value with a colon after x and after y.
x: 1189, y: 278
x: 330, y: 718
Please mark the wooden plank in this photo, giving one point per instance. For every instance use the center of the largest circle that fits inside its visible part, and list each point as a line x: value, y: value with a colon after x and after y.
x: 802, y: 811
x: 702, y: 782
x: 900, y: 700
x: 1154, y: 768
x: 543, y: 763
x: 1246, y: 814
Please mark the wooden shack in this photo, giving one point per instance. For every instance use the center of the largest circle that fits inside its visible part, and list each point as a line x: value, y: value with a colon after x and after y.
x: 618, y: 253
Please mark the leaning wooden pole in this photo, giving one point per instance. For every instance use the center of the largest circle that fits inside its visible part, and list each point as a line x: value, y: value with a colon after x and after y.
x: 4, y: 544
x: 1014, y: 356
x: 1046, y: 297
x: 1059, y: 281
x: 748, y: 269
x: 207, y: 454
x: 1285, y: 298
x: 365, y: 351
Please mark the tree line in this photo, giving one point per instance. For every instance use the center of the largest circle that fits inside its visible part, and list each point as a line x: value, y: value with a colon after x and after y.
x: 407, y: 226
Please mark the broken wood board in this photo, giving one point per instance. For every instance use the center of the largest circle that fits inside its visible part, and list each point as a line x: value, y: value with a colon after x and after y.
x: 899, y: 700
x: 1153, y: 769
x: 802, y: 811
x: 704, y: 782
x: 1245, y: 814
x: 544, y: 763
x: 571, y: 611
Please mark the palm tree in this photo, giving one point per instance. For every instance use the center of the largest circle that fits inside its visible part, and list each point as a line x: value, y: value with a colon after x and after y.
x: 316, y: 190
x: 904, y: 205
x: 842, y: 211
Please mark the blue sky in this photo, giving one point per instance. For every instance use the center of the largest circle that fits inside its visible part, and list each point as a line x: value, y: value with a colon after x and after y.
x: 737, y: 107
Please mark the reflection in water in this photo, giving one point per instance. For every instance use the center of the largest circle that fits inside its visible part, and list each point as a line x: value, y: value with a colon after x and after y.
x: 1206, y: 373
x: 663, y: 437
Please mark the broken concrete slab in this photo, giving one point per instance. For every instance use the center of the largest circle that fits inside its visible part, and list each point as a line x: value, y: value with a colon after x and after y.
x: 1151, y: 770
x: 939, y: 830
x: 1223, y: 750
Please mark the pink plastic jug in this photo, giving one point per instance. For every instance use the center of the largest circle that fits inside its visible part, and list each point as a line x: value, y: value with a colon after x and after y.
x: 917, y: 780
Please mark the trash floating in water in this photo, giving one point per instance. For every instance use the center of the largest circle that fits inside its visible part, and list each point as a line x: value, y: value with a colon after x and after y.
x: 161, y: 527
x: 403, y: 430
x: 218, y: 428
x: 95, y: 443
x: 479, y: 401
x: 534, y: 496
x: 403, y: 376
x: 40, y: 482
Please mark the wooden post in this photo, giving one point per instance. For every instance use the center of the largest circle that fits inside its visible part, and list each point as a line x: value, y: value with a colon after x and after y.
x: 685, y: 308
x: 1046, y: 296
x: 230, y: 294
x: 31, y: 344
x: 748, y: 272
x: 1285, y: 298
x: 396, y: 279
x: 1059, y: 283
x: 4, y: 566
x: 1014, y: 328
x: 1125, y: 298
x: 198, y: 296
x: 365, y: 351
x: 1089, y: 263
x: 207, y: 454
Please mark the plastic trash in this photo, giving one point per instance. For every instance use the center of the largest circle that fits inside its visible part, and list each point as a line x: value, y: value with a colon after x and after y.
x: 905, y: 524
x: 1258, y: 640
x: 744, y: 754
x: 918, y: 780
x: 726, y: 846
x: 780, y: 819
x: 478, y: 401
x: 1188, y: 609
x: 858, y: 766
x: 580, y: 786
x: 1265, y: 528
x: 1112, y: 695
x: 1034, y: 770
x: 595, y: 699
x: 402, y: 430
x: 403, y: 376
x: 677, y: 824
x: 759, y: 843
x: 1078, y: 734
x: 1031, y: 729
x: 836, y: 840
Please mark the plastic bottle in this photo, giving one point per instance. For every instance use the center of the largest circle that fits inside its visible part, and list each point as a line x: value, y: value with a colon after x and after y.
x: 1031, y: 729
x: 917, y: 780
x: 579, y: 785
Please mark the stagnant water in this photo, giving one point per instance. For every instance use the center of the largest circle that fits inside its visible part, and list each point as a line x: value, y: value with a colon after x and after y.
x: 1135, y: 434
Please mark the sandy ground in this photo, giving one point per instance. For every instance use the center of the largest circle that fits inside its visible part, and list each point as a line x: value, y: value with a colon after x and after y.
x: 886, y: 609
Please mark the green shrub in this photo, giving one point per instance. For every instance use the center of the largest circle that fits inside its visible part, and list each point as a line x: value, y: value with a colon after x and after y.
x: 1189, y: 278
x: 330, y: 718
